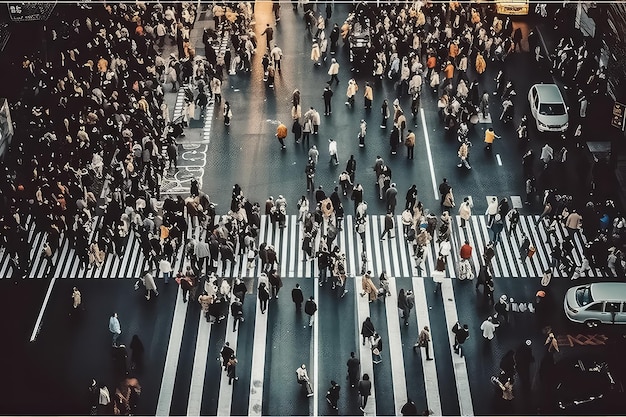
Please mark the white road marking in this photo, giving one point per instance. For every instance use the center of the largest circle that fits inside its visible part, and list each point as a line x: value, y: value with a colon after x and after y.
x: 458, y: 362
x: 171, y: 359
x: 225, y: 399
x: 395, y: 347
x: 430, y: 371
x: 255, y: 405
x: 429, y: 154
x: 196, y: 388
x: 37, y: 327
x: 498, y: 159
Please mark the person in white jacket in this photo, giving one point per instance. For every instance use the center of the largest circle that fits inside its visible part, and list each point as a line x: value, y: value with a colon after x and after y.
x: 492, y: 210
x: 332, y: 150
x: 165, y: 266
x: 489, y: 328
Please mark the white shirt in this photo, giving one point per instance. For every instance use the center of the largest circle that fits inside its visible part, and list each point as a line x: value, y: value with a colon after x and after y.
x: 489, y: 329
x: 332, y: 147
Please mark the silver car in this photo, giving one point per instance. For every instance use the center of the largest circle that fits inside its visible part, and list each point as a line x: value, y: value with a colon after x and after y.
x: 599, y: 302
x: 548, y: 108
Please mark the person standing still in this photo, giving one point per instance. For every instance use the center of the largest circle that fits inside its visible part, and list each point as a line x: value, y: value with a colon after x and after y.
x: 365, y: 390
x: 310, y: 308
x: 423, y: 340
x: 115, y: 328
x: 297, y: 297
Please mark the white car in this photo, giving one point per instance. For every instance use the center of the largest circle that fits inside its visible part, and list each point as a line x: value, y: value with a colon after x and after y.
x: 599, y: 302
x: 548, y: 108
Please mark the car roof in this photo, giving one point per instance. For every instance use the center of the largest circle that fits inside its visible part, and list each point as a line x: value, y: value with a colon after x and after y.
x: 608, y: 291
x: 549, y: 93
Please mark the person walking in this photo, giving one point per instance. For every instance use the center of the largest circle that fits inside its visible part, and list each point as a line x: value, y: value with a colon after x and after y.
x: 310, y: 307
x: 264, y: 296
x: 490, y: 136
x: 297, y: 297
x: 332, y: 395
x: 405, y: 304
x: 281, y: 134
x: 365, y: 390
x: 367, y: 330
x: 461, y: 334
x: 269, y: 35
x: 165, y: 267
x: 409, y: 142
x: 354, y: 369
x: 327, y: 95
x: 333, y: 71
x: 389, y: 227
x: 423, y: 340
x: 303, y: 379
x: 148, y: 281
x: 332, y: 150
x: 488, y: 328
x: 137, y: 350
x: 368, y: 96
x: 409, y: 408
x: 115, y: 328
x: 391, y: 198
x: 228, y: 113
x: 231, y: 369
x: 236, y: 310
x: 351, y: 92
x: 76, y: 298
x: 465, y: 211
x: 377, y: 348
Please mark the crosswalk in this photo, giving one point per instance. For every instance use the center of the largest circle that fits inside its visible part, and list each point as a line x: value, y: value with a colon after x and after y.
x: 262, y: 348
x: 394, y: 256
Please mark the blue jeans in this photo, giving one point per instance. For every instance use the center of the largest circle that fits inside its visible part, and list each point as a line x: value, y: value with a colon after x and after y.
x: 166, y: 276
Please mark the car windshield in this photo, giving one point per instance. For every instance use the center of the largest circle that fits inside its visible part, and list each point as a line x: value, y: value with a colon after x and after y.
x: 554, y: 109
x: 583, y: 296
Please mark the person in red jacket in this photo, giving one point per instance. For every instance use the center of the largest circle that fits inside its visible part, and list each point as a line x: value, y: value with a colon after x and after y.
x: 466, y: 251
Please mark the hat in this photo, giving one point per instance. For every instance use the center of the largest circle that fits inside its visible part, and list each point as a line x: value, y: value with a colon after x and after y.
x: 303, y: 366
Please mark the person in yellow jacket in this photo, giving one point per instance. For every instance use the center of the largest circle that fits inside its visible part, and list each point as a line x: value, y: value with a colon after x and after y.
x: 490, y: 135
x: 281, y: 134
x: 368, y: 96
x: 481, y: 65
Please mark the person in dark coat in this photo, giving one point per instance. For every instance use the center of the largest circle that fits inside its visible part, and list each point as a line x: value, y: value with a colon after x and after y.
x: 365, y: 390
x: 310, y: 308
x: 240, y: 290
x: 264, y: 296
x: 354, y: 370
x: 367, y: 329
x: 409, y: 408
x: 236, y: 309
x: 297, y: 297
x: 137, y: 351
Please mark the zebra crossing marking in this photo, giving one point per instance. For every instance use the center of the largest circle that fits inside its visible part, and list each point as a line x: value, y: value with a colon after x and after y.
x: 365, y: 351
x: 198, y: 372
x: 225, y: 399
x: 394, y: 342
x: 431, y: 384
x: 166, y: 391
x: 460, y: 369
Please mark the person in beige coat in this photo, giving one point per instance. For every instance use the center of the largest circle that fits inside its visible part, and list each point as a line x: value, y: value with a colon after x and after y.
x: 368, y: 287
x: 76, y: 298
x: 316, y: 53
x: 205, y: 301
x: 465, y: 211
x: 351, y: 92
x: 148, y: 282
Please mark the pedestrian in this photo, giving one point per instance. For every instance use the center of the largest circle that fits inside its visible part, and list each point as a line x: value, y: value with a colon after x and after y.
x: 231, y: 369
x: 165, y: 266
x: 423, y: 341
x: 448, y: 200
x: 333, y: 71
x: 115, y: 328
x: 351, y: 92
x: 236, y: 310
x: 332, y: 150
x: 384, y: 110
x: 444, y: 187
x: 489, y: 328
x: 513, y: 216
x: 465, y: 211
x: 281, y: 134
x: 367, y: 330
x: 228, y: 113
x: 391, y: 197
x: 137, y: 351
x: 461, y: 334
x: 523, y: 360
x: 377, y: 348
x: 187, y: 283
x: 496, y: 228
x: 466, y: 251
x: 76, y: 298
x: 547, y: 155
x: 490, y: 136
x: 264, y: 296
x: 315, y: 53
x: 409, y: 142
x: 269, y: 35
x: 365, y: 390
x: 354, y: 369
x: 405, y: 304
x: 368, y: 96
x: 368, y: 287
x: 226, y: 353
x: 362, y: 133
x: 389, y: 227
x: 332, y: 395
x: 303, y: 379
x: 205, y: 301
x: 148, y: 281
x: 552, y: 343
x: 120, y: 357
x: 327, y: 95
x: 310, y: 307
x: 411, y: 198
x: 409, y: 408
x: 276, y: 283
